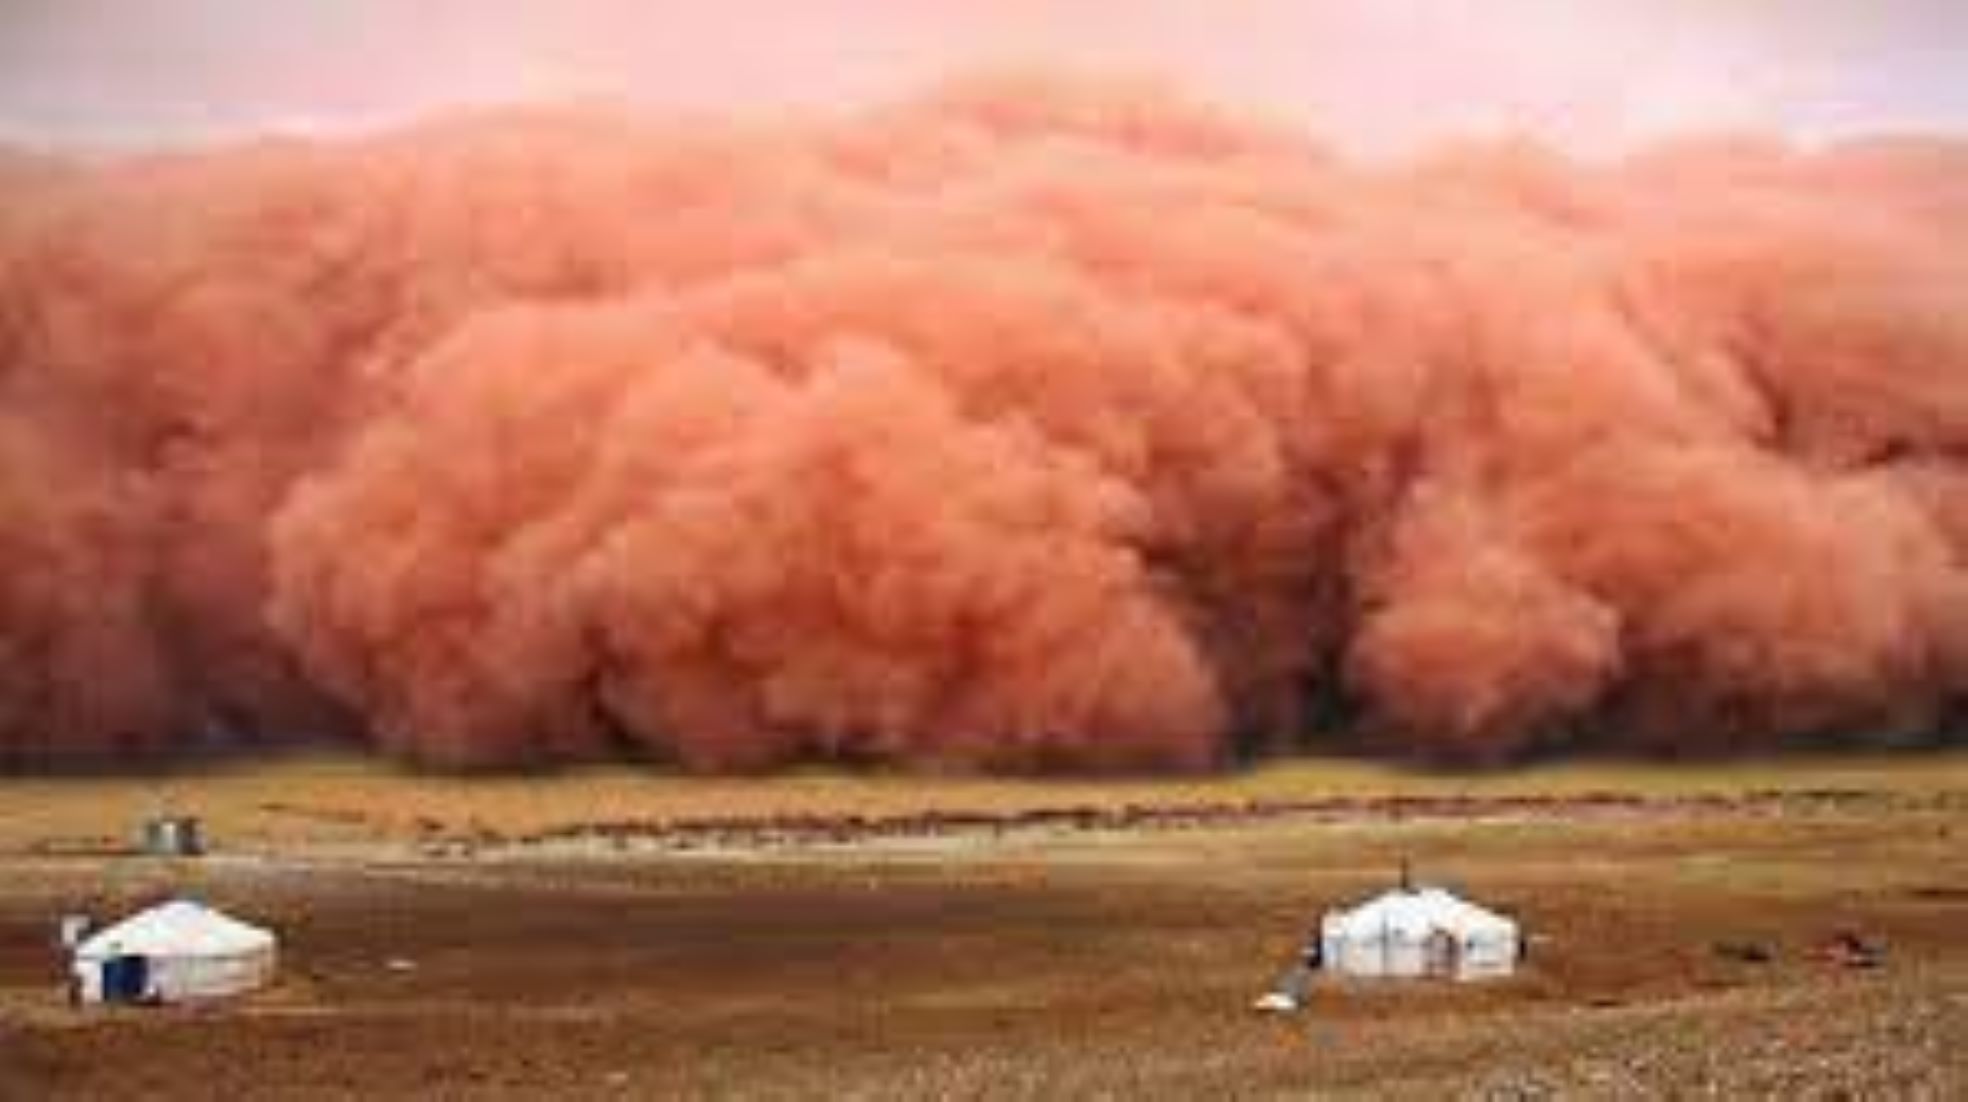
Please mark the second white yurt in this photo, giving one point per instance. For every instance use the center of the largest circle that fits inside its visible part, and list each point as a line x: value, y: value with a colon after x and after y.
x: 1419, y: 932
x: 179, y: 951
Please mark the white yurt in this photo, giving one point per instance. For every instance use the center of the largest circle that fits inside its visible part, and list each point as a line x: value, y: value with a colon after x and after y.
x: 179, y: 951
x: 1419, y: 932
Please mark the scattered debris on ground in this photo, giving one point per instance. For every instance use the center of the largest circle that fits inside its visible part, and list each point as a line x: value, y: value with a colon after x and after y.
x: 1851, y: 949
x: 1747, y: 952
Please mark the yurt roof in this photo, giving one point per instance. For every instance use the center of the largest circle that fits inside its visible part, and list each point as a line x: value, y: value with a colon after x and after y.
x: 180, y: 928
x: 1418, y: 911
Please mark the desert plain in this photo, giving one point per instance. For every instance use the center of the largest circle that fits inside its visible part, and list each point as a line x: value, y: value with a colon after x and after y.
x: 626, y: 933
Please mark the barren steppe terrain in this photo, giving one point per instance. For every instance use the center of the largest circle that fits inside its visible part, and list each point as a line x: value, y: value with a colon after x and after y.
x: 621, y: 934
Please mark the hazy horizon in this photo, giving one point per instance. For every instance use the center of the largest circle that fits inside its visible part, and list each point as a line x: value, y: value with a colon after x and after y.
x: 1375, y: 77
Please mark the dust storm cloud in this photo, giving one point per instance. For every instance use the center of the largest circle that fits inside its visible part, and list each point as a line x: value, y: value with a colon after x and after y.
x: 1028, y: 423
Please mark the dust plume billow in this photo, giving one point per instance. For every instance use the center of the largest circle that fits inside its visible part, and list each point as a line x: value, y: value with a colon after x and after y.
x: 1028, y: 424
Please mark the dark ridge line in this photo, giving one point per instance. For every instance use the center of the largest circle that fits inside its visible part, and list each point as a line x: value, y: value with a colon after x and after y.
x: 795, y: 829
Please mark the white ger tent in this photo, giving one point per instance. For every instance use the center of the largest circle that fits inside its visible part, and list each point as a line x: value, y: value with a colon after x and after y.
x: 176, y: 952
x: 1419, y: 932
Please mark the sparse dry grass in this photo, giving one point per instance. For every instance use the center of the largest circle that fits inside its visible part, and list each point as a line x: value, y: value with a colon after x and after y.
x: 1053, y: 963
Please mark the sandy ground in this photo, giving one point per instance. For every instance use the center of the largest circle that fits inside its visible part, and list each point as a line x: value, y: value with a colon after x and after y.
x: 1046, y: 941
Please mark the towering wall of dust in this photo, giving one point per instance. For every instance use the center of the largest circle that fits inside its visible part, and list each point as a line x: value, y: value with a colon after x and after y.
x: 1025, y: 425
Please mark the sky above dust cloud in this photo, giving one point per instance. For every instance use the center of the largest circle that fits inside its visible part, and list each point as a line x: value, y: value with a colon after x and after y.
x: 1380, y: 76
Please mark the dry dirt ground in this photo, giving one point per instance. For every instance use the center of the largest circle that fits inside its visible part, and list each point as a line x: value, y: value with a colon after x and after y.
x: 596, y: 936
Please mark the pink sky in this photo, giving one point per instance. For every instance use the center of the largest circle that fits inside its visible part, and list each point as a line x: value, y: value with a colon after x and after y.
x: 1376, y: 74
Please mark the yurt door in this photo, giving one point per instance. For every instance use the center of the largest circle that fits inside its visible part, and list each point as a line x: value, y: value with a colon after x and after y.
x: 125, y: 979
x: 1442, y: 953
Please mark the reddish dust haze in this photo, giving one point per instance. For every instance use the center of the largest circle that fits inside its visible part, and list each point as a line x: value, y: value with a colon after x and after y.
x: 1027, y: 424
